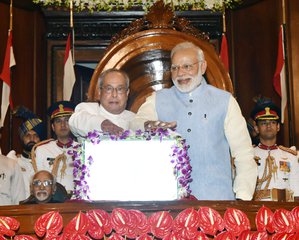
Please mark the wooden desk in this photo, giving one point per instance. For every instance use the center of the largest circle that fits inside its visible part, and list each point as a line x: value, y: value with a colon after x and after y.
x: 28, y: 214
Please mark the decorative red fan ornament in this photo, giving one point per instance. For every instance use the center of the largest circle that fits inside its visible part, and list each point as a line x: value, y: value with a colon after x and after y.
x: 225, y: 236
x: 201, y: 236
x: 186, y: 223
x: 99, y: 223
x: 172, y: 236
x: 259, y: 236
x: 245, y: 235
x: 284, y: 236
x: 264, y: 220
x: 8, y: 226
x: 24, y: 237
x: 119, y: 221
x: 236, y: 221
x: 77, y: 228
x: 161, y: 223
x: 50, y: 223
x: 138, y: 224
x: 295, y: 213
x: 283, y: 221
x: 116, y: 236
x: 144, y: 237
x: 210, y: 221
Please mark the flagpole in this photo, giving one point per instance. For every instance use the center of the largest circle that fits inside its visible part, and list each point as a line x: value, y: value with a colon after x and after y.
x: 11, y: 110
x: 72, y: 29
x: 289, y: 112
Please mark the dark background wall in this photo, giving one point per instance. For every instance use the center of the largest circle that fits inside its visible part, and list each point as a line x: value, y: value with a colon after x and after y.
x: 252, y: 34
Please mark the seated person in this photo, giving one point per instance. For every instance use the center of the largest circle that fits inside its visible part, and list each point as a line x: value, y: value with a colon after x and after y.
x: 278, y: 167
x: 45, y: 189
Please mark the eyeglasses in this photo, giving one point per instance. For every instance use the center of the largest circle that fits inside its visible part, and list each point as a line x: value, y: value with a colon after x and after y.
x: 184, y: 67
x: 38, y: 183
x: 109, y: 89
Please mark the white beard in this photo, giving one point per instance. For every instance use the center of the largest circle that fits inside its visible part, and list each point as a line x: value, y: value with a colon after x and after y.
x: 194, y: 82
x: 41, y: 195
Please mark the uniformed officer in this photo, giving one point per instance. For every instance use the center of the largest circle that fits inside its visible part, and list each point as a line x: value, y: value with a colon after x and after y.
x: 278, y: 167
x: 31, y: 131
x: 53, y: 154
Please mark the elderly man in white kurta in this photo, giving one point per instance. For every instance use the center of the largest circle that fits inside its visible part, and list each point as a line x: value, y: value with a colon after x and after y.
x: 54, y: 155
x: 12, y: 188
x: 108, y: 115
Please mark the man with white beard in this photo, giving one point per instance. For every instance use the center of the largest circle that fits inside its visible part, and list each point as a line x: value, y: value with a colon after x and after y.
x: 44, y: 189
x: 211, y: 121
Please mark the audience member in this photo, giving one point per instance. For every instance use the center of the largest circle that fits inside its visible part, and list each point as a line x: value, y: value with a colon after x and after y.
x: 12, y: 188
x: 53, y: 155
x: 109, y: 114
x: 211, y: 122
x: 31, y: 131
x: 278, y: 167
x: 44, y: 189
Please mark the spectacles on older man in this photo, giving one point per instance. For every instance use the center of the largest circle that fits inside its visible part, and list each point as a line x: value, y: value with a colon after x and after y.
x: 109, y: 89
x: 45, y: 183
x: 185, y: 67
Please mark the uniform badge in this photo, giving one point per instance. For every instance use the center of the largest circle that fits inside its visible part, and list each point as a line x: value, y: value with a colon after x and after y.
x: 51, y: 161
x: 284, y: 166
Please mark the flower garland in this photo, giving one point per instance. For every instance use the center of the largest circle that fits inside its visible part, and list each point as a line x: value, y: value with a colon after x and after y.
x: 179, y: 158
x: 109, y: 5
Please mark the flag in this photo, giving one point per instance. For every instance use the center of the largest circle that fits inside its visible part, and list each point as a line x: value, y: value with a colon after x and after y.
x: 69, y: 77
x: 279, y: 79
x: 9, y: 61
x: 224, y: 52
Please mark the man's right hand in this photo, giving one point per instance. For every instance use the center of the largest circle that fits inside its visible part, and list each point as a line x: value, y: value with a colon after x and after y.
x: 159, y: 124
x: 108, y: 127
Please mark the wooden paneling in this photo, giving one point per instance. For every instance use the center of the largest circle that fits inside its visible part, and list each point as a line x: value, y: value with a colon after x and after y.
x: 28, y: 76
x: 293, y: 46
x: 253, y: 32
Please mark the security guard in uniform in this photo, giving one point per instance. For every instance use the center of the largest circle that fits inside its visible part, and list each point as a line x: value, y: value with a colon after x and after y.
x: 278, y: 167
x: 31, y: 132
x: 53, y: 154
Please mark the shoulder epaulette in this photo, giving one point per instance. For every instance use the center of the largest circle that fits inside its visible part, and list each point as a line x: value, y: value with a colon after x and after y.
x: 33, y: 155
x: 43, y: 142
x: 289, y: 150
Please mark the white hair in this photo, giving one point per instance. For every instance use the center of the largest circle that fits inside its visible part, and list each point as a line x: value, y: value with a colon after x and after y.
x: 188, y: 45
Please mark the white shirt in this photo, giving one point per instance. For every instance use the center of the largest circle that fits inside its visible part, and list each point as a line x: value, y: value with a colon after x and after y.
x: 26, y: 169
x: 12, y: 189
x: 89, y: 117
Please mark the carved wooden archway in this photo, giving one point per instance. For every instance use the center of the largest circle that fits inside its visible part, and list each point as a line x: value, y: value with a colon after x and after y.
x: 143, y: 51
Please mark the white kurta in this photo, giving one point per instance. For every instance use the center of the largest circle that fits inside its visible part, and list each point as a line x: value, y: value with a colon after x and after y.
x: 26, y: 168
x: 12, y: 189
x: 89, y: 117
x: 287, y: 174
x: 45, y: 155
